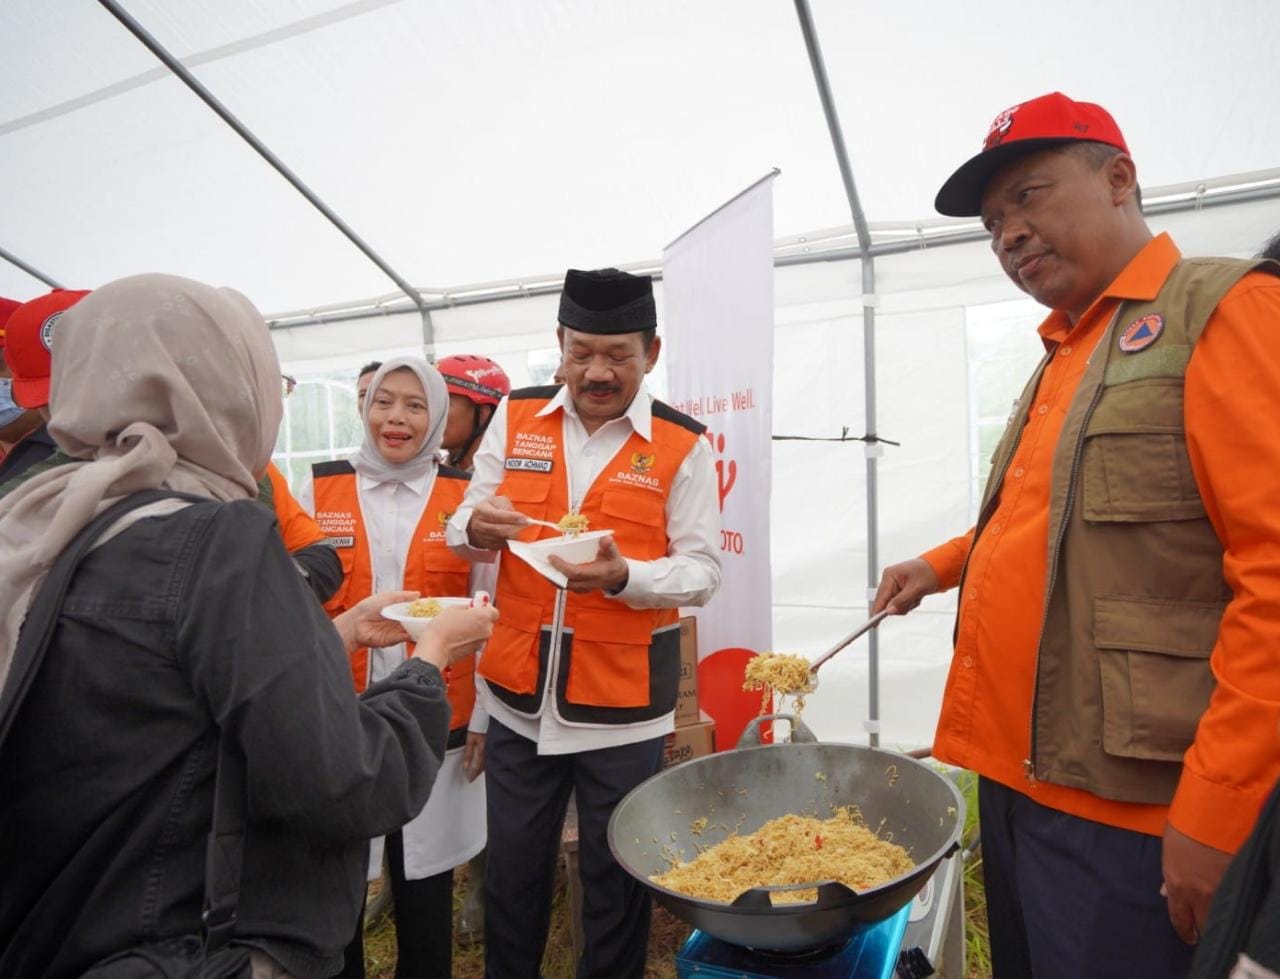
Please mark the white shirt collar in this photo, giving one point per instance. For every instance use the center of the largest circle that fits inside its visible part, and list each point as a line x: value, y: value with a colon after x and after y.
x: 418, y: 486
x: 639, y: 413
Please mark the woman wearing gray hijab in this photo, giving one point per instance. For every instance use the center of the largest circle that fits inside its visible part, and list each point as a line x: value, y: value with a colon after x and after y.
x: 385, y: 511
x: 186, y: 630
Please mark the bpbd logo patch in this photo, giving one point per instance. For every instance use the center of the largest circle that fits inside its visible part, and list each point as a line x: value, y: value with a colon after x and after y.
x: 1142, y: 333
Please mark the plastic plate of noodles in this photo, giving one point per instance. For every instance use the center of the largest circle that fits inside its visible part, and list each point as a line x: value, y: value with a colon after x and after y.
x: 416, y: 616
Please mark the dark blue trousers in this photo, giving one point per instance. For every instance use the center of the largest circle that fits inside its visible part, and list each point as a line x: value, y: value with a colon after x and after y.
x: 1069, y: 898
x: 527, y: 797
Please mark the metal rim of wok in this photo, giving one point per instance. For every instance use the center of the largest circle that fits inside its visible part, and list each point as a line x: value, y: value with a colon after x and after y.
x: 921, y: 806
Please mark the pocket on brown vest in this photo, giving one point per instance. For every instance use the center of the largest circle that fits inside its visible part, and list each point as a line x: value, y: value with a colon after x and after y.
x: 1135, y: 466
x: 1153, y: 664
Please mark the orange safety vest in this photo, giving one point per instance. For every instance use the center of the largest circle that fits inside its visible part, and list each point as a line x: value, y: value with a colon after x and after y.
x: 430, y: 567
x: 296, y: 526
x: 614, y: 664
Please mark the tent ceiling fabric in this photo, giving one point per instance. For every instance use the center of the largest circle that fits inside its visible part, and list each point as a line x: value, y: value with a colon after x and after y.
x: 471, y: 142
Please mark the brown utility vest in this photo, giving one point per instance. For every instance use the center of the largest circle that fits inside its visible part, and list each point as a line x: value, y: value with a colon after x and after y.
x: 1135, y: 589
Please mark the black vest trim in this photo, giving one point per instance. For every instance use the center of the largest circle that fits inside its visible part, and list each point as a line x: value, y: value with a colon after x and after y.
x: 661, y: 409
x: 341, y: 467
x: 544, y: 393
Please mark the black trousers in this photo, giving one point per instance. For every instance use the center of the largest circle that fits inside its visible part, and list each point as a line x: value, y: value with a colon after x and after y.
x: 527, y: 797
x: 1069, y: 898
x: 424, y: 923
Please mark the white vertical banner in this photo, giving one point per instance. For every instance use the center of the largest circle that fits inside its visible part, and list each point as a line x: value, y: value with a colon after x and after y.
x: 717, y: 286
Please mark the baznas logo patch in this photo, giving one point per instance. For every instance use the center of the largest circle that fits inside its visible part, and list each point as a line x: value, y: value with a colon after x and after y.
x: 1142, y: 333
x: 641, y: 463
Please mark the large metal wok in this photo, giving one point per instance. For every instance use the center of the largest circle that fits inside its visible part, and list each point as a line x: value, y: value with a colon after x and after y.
x: 743, y: 789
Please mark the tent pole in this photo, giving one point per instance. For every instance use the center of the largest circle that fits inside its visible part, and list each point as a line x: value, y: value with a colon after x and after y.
x: 188, y: 79
x: 13, y: 259
x: 873, y: 449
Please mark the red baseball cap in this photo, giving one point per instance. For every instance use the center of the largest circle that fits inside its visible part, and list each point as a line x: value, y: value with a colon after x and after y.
x: 1050, y: 120
x: 29, y: 342
x: 7, y: 306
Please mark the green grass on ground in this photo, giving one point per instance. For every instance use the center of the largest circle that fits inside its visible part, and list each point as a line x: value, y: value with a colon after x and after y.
x: 668, y: 933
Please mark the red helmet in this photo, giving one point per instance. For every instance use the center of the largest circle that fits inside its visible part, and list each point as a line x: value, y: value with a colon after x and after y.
x: 475, y: 377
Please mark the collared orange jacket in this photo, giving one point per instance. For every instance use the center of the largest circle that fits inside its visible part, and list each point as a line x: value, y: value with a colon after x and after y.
x: 1232, y: 418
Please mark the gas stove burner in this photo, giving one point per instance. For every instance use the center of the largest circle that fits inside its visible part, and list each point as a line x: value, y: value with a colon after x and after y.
x: 868, y: 953
x: 798, y: 956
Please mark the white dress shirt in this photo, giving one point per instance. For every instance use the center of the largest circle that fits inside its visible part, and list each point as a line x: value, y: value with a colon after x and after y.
x: 688, y: 575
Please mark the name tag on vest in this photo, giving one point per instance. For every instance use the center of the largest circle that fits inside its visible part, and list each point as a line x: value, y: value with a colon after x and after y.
x: 339, y: 542
x: 530, y: 465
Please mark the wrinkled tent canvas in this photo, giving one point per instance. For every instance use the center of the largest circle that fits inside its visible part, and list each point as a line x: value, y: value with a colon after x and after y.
x: 474, y: 144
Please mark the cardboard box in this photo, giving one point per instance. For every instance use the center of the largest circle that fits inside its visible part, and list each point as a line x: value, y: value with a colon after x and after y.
x: 687, y: 698
x: 688, y: 742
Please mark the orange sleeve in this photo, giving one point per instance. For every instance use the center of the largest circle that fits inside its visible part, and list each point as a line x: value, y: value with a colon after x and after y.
x: 947, y: 560
x: 296, y: 526
x: 1233, y: 438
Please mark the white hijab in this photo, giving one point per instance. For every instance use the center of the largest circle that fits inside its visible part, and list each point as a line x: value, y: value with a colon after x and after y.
x: 368, y: 461
x: 158, y: 381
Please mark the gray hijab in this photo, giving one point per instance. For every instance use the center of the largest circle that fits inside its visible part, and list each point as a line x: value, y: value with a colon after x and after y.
x: 158, y: 381
x: 368, y: 461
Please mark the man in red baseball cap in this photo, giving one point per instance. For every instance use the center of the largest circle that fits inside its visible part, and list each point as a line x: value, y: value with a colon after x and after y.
x: 28, y: 345
x: 15, y: 421
x: 1114, y: 681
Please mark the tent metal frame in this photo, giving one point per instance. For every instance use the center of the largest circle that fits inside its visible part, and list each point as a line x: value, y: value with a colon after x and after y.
x: 424, y: 301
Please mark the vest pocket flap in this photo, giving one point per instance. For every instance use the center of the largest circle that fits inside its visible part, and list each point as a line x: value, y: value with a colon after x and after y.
x: 1148, y: 406
x: 638, y: 506
x: 1185, y: 629
x: 524, y: 488
x: 519, y: 614
x: 1138, y: 477
x: 599, y: 625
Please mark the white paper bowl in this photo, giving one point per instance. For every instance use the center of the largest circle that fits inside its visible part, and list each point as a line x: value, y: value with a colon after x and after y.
x: 414, y: 625
x: 575, y: 550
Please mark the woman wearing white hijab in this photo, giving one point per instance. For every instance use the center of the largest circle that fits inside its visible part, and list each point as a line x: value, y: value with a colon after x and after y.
x: 385, y: 510
x: 188, y: 628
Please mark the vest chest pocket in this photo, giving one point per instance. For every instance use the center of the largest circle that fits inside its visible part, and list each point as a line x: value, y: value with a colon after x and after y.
x: 444, y: 573
x: 529, y: 493
x: 638, y: 518
x: 1135, y: 467
x: 1153, y: 663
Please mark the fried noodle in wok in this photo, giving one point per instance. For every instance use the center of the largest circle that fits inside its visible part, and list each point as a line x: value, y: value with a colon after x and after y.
x: 791, y: 850
x: 779, y: 673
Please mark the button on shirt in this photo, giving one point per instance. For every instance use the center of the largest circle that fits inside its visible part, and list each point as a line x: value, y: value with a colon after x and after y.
x: 689, y: 575
x: 1232, y: 397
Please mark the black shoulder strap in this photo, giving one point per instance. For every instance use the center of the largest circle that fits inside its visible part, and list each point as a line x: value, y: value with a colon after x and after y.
x: 224, y: 852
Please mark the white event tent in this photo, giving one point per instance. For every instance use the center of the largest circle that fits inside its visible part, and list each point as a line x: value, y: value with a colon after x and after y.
x: 480, y: 148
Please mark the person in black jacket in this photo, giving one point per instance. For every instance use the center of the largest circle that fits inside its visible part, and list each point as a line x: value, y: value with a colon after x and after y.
x: 188, y: 628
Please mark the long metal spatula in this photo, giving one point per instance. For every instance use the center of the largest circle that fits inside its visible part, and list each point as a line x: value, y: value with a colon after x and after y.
x: 867, y: 626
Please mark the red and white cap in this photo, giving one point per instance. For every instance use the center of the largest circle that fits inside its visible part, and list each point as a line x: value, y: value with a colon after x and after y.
x: 29, y: 344
x: 1044, y: 122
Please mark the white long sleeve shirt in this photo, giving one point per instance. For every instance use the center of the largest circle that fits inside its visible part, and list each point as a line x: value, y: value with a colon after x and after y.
x: 688, y: 576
